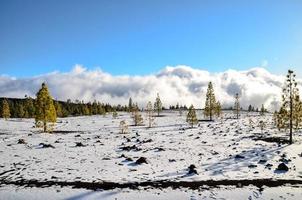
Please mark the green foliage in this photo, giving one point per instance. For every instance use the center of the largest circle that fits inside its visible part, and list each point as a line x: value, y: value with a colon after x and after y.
x: 29, y: 108
x: 290, y: 114
x: 20, y: 110
x: 136, y: 116
x: 58, y: 108
x: 211, y: 106
x: 158, y: 105
x: 149, y: 113
x: 191, y: 116
x: 5, y: 109
x: 218, y: 109
x: 45, y: 109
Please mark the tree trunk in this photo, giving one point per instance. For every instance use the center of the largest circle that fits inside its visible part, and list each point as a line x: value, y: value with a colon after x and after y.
x: 45, y: 126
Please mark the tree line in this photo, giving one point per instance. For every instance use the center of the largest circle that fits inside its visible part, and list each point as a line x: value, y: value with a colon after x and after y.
x: 44, y: 109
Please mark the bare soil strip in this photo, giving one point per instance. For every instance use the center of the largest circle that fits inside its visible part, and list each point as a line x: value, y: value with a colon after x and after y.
x: 154, y: 184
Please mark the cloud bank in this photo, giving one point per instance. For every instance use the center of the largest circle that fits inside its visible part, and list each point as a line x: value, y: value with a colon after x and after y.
x: 180, y: 84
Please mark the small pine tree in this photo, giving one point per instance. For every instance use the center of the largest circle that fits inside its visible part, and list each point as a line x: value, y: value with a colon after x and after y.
x: 149, y: 113
x: 262, y: 110
x: 114, y: 114
x: 211, y: 104
x: 45, y: 109
x: 191, y: 116
x: 123, y: 126
x: 158, y: 105
x: 5, y: 109
x: 237, y: 106
x: 262, y: 125
x: 218, y: 109
x: 136, y: 116
x: 250, y: 108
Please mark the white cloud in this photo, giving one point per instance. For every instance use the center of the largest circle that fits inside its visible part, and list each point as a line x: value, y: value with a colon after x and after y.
x: 180, y: 84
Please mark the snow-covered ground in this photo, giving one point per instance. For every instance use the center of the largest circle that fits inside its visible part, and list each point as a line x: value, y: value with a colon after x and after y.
x: 170, y: 147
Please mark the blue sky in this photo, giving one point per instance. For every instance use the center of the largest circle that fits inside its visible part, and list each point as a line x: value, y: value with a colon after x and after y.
x: 141, y: 37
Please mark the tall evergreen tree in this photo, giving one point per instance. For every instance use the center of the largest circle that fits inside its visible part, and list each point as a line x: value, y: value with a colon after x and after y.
x: 191, y: 116
x: 45, y: 109
x: 210, y: 104
x: 5, y: 109
x: 237, y: 105
x: 158, y: 105
x: 130, y: 105
x: 250, y: 108
x: 289, y: 111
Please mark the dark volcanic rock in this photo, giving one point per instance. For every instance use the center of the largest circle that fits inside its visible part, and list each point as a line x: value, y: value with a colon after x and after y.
x: 262, y: 161
x: 282, y: 167
x: 21, y: 141
x: 239, y: 157
x: 192, y: 169
x: 141, y: 160
x: 252, y: 166
x: 128, y: 159
x: 129, y: 148
x: 79, y: 144
x: 43, y: 145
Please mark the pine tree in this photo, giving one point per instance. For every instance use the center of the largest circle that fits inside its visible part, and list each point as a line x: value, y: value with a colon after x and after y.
x: 20, y: 110
x: 262, y: 110
x: 290, y: 104
x: 5, y: 109
x: 137, y: 117
x: 250, y: 108
x: 114, y: 114
x: 149, y: 113
x: 210, y: 104
x: 58, y: 108
x: 158, y: 105
x: 297, y: 116
x: 218, y: 109
x: 237, y: 105
x: 262, y: 125
x: 282, y: 119
x: 130, y: 105
x: 45, y: 109
x: 191, y: 116
x: 29, y: 107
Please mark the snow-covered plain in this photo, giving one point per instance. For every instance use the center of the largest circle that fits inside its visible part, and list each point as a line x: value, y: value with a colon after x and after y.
x: 170, y: 147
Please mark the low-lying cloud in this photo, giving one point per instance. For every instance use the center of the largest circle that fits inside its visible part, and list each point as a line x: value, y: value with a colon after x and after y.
x: 180, y: 84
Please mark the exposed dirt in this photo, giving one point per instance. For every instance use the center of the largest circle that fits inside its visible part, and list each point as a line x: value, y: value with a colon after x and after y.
x: 154, y: 184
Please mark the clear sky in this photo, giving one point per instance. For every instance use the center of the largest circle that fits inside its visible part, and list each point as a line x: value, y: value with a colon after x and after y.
x: 141, y: 37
